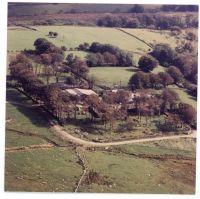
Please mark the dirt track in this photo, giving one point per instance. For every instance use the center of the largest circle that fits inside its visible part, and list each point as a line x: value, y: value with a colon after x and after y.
x: 66, y: 136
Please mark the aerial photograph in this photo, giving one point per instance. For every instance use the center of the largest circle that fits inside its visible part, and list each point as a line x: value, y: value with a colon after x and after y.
x: 101, y: 98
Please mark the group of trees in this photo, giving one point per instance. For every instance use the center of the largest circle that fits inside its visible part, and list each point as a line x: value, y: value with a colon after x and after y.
x: 110, y: 107
x: 51, y: 96
x: 164, y: 54
x: 147, y: 63
x: 108, y: 55
x: 78, y: 70
x: 179, y: 8
x: 152, y: 21
x: 149, y: 80
x: 186, y: 62
x: 48, y: 56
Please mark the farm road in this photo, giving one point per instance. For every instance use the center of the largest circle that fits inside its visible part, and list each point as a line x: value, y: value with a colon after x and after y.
x: 66, y: 136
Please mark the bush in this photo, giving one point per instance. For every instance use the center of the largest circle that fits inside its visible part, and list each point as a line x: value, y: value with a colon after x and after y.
x: 147, y: 63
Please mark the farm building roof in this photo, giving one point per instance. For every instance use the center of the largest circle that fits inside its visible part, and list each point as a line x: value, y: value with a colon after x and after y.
x: 78, y: 91
x: 70, y: 91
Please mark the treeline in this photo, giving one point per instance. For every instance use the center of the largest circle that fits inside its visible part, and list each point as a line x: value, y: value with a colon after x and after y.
x: 181, y: 69
x: 152, y: 21
x: 106, y: 55
x: 186, y: 63
x: 180, y: 8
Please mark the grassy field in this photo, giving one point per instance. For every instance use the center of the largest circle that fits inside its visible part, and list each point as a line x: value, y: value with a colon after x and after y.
x: 123, y: 169
x: 98, y: 133
x: 25, y: 120
x: 111, y: 76
x: 154, y: 36
x: 133, y: 174
x: 54, y: 169
x: 186, y: 98
x: 58, y: 169
x: 72, y: 36
x: 48, y: 170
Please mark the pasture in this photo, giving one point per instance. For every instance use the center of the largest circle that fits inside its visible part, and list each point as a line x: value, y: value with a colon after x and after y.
x: 72, y: 36
x: 112, y: 76
x: 155, y: 36
x: 133, y: 173
x: 25, y: 120
x: 54, y: 169
x: 58, y: 169
x: 184, y: 96
x: 123, y: 169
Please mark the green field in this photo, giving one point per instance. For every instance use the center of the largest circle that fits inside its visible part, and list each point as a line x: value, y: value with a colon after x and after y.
x: 131, y: 174
x: 111, y: 76
x: 120, y: 168
x: 25, y: 120
x: 186, y: 98
x: 72, y: 36
x: 155, y: 36
x: 134, y: 168
x: 42, y: 170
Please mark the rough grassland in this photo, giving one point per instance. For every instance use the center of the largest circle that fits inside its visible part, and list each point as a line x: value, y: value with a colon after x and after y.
x: 41, y: 170
x: 130, y: 174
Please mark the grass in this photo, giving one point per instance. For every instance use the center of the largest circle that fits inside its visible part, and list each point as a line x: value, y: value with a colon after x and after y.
x: 184, y: 96
x: 163, y: 147
x: 97, y: 131
x: 26, y: 120
x: 15, y: 140
x: 159, y: 69
x: 57, y: 169
x: 80, y: 54
x: 40, y: 170
x: 54, y: 169
x: 113, y: 75
x: 72, y: 36
x: 154, y: 36
x: 130, y: 174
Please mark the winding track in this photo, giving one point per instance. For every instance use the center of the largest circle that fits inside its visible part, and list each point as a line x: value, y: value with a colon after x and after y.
x: 66, y: 136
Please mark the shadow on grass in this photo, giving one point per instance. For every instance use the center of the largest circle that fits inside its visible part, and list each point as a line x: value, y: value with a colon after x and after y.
x: 14, y: 95
x: 35, y: 115
x: 88, y: 126
x: 133, y: 70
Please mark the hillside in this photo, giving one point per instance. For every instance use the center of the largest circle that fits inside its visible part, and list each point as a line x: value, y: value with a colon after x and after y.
x: 24, y: 9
